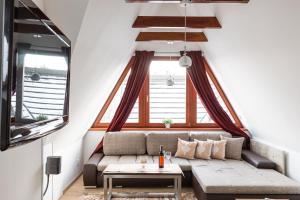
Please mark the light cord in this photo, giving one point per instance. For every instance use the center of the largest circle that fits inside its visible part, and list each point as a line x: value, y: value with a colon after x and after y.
x: 185, y: 28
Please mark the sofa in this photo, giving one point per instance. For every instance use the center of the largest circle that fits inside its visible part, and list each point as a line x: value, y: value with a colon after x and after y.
x: 252, y: 177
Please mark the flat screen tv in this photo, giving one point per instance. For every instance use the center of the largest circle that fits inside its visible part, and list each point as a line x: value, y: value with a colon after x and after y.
x: 35, y: 74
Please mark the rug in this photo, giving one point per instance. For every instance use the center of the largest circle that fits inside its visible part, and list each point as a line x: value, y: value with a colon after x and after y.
x: 100, y: 196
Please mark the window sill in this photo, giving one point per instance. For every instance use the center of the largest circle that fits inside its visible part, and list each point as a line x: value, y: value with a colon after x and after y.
x: 162, y: 129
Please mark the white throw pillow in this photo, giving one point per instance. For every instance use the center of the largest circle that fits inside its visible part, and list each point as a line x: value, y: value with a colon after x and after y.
x: 218, y: 149
x: 203, y: 150
x: 186, y: 149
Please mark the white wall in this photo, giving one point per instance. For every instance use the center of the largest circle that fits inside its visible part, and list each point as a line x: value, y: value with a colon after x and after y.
x: 20, y: 172
x: 90, y: 142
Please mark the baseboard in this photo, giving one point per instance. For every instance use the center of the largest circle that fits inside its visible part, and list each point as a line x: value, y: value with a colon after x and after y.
x: 75, y: 179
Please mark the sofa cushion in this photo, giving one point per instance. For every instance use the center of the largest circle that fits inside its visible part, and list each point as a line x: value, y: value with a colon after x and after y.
x: 184, y: 164
x: 167, y: 139
x: 239, y: 177
x: 106, y: 161
x: 205, y: 135
x: 234, y: 147
x: 124, y: 143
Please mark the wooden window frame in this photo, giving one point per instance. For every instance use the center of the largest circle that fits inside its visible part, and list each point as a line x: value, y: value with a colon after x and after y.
x: 144, y: 104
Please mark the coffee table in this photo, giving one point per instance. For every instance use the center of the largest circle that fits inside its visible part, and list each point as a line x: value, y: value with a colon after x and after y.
x: 142, y: 171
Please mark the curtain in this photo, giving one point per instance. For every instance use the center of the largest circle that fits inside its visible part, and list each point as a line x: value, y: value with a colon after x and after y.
x: 139, y: 71
x: 198, y: 75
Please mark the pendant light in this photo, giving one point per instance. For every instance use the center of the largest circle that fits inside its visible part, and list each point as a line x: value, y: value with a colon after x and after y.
x: 185, y: 61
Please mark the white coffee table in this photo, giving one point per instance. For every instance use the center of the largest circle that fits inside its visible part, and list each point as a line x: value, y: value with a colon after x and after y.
x: 139, y: 171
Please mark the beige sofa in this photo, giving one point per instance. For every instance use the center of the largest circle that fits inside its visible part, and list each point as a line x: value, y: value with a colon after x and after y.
x: 212, y: 179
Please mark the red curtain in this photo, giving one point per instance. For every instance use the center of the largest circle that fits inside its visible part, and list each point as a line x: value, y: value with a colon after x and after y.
x: 139, y: 71
x: 198, y: 75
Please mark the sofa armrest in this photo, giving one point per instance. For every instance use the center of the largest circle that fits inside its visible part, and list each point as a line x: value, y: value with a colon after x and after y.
x: 257, y: 160
x: 90, y: 170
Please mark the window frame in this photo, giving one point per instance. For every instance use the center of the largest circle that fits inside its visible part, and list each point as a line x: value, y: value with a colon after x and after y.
x: 144, y: 104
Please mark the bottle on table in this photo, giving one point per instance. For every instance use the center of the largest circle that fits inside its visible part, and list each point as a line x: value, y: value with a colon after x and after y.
x: 161, y: 162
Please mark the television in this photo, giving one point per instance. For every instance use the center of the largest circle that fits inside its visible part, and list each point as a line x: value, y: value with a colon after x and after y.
x: 35, y: 74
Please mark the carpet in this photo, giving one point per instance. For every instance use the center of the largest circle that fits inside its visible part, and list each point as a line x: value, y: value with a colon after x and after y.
x: 99, y: 196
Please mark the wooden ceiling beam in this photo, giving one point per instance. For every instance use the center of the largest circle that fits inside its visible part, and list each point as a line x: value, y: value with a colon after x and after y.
x: 175, y: 22
x: 192, y: 1
x: 171, y: 36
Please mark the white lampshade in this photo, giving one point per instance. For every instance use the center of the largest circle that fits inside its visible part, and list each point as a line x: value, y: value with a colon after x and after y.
x: 185, y: 61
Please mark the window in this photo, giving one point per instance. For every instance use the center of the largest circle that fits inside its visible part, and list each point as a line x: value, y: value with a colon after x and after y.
x: 110, y: 112
x: 167, y: 93
x: 202, y: 114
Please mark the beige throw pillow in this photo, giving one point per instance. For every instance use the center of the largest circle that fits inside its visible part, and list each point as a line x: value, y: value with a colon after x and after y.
x: 186, y: 149
x: 203, y: 150
x: 234, y: 147
x: 218, y: 149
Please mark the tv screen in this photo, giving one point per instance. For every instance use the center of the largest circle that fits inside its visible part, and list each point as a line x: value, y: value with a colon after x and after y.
x: 38, y: 71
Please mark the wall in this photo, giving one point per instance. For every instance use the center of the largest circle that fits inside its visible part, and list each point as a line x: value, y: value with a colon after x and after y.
x: 20, y: 172
x: 90, y: 142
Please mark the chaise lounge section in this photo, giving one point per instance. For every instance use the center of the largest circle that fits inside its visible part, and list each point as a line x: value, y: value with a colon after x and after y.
x: 211, y: 179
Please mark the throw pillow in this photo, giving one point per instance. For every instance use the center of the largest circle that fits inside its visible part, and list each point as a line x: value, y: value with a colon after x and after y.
x: 203, y: 149
x: 218, y: 149
x: 186, y: 149
x: 234, y: 147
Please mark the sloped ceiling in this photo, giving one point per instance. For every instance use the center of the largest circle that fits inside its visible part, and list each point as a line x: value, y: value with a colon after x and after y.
x: 255, y: 56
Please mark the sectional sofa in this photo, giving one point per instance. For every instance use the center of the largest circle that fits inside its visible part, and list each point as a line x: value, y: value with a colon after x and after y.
x: 253, y: 177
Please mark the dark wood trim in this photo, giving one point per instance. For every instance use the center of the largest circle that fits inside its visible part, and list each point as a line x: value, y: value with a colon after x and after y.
x: 175, y: 22
x: 171, y: 36
x: 160, y: 129
x: 191, y: 104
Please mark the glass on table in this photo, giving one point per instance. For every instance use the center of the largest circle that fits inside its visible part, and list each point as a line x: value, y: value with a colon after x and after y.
x: 168, y: 155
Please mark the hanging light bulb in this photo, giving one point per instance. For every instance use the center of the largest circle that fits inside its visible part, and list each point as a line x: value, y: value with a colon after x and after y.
x: 185, y: 61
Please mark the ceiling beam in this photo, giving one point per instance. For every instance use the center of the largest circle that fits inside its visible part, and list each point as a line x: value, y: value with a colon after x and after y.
x: 171, y: 36
x: 192, y: 1
x: 175, y: 22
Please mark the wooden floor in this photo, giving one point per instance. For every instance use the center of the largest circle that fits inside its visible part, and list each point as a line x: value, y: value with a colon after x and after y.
x: 76, y: 191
